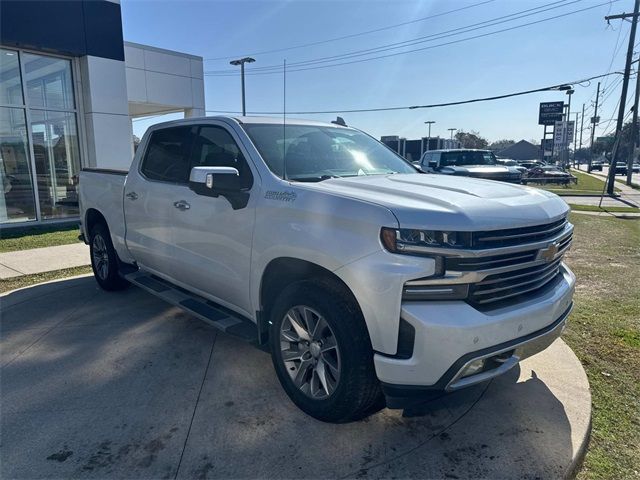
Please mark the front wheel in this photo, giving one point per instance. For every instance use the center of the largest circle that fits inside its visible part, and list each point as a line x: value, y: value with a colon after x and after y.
x: 104, y: 259
x: 322, y: 353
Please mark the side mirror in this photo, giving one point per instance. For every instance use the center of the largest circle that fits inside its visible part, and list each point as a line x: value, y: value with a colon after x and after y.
x: 433, y: 164
x: 214, y: 181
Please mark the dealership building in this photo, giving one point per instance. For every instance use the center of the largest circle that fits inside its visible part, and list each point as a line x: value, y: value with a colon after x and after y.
x: 70, y: 87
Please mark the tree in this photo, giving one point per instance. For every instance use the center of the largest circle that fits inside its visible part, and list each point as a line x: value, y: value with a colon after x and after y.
x: 501, y: 144
x: 471, y: 139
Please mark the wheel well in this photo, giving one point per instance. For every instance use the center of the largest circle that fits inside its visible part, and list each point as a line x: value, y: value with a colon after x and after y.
x: 284, y: 271
x: 92, y: 218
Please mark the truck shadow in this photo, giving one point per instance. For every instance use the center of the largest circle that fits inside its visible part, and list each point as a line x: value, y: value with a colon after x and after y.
x: 97, y: 384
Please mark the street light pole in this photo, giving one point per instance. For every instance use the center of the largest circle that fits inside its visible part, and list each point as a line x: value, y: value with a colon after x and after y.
x: 429, y: 122
x: 241, y: 62
x: 565, y: 140
x: 452, y: 130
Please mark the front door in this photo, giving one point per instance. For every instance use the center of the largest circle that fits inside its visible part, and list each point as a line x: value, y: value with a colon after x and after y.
x: 212, y: 237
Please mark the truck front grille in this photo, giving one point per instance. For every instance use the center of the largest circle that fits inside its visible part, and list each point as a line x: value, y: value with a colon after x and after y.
x: 517, y: 236
x: 513, y: 284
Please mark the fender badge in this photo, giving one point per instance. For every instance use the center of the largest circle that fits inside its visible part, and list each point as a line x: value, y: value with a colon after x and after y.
x: 281, y: 196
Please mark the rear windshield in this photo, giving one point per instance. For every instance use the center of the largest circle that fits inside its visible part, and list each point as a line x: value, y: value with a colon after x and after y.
x: 314, y: 153
x: 465, y: 158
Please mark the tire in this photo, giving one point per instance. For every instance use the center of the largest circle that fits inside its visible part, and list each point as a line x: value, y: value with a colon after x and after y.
x: 104, y: 259
x: 332, y: 384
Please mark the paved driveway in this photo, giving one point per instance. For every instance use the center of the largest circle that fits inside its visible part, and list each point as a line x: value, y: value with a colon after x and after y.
x: 120, y: 385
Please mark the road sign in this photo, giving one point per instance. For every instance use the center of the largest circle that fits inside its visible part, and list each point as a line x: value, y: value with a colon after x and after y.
x: 550, y: 113
x: 606, y: 140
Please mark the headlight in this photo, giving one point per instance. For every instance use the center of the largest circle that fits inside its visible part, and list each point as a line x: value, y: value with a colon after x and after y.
x: 421, y: 242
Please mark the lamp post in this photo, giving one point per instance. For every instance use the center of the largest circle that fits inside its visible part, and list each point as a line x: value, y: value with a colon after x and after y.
x: 452, y: 130
x: 565, y: 140
x: 241, y: 62
x: 429, y: 122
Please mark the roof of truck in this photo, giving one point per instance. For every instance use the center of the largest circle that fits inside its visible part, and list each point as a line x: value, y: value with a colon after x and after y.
x: 254, y: 119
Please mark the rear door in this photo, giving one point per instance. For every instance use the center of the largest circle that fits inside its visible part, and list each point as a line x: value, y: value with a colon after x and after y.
x: 213, y: 237
x: 151, y: 193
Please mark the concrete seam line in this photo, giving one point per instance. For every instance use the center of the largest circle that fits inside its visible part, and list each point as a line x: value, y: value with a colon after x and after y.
x: 420, y: 445
x: 195, y: 407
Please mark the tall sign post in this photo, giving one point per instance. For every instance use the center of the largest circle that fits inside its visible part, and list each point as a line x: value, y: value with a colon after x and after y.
x: 548, y: 114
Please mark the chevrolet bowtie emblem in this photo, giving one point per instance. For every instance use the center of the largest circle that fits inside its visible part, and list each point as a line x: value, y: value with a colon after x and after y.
x: 549, y: 254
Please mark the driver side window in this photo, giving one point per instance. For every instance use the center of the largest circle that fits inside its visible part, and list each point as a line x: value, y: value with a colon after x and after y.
x: 167, y: 156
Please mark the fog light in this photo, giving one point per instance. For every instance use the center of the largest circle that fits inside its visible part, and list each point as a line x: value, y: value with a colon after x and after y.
x: 474, y: 367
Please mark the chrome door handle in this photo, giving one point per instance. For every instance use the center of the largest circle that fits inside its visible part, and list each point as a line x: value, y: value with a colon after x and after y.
x: 132, y: 195
x: 182, y: 205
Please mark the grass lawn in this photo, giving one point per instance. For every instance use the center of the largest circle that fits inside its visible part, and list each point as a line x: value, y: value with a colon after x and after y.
x: 604, y: 332
x: 587, y: 185
x: 24, y: 239
x: 595, y: 208
x: 28, y: 280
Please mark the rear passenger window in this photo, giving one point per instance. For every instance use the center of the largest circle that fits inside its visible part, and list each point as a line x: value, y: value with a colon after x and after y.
x: 167, y: 156
x: 215, y: 147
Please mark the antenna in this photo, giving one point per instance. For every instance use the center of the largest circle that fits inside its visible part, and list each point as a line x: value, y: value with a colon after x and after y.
x: 284, y: 120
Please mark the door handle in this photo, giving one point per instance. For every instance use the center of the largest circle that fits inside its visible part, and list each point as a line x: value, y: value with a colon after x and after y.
x: 132, y: 195
x: 182, y: 205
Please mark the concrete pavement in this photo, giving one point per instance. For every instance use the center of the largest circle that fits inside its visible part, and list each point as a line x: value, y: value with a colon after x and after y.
x: 39, y: 260
x: 121, y: 385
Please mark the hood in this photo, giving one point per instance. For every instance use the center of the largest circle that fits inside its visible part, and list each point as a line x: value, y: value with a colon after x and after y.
x: 443, y: 202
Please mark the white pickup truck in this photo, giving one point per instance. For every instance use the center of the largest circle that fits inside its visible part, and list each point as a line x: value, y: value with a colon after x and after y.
x: 369, y: 281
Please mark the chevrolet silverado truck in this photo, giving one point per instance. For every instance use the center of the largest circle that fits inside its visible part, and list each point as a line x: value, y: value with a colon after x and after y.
x: 370, y: 282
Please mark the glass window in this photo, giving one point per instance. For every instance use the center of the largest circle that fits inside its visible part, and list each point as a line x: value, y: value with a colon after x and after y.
x: 215, y: 147
x: 467, y: 157
x: 17, y: 202
x: 315, y: 153
x: 57, y: 160
x: 167, y: 157
x: 10, y: 85
x: 48, y: 82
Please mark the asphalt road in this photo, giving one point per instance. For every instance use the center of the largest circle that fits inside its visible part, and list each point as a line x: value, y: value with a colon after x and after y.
x: 121, y: 385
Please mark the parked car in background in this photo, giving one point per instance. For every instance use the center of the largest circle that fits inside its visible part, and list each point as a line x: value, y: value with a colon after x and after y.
x: 507, y: 162
x: 469, y: 163
x: 635, y: 168
x: 527, y: 164
x: 548, y: 174
x: 365, y: 278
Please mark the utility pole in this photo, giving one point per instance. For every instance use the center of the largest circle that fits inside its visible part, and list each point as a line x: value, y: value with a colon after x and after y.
x: 565, y: 132
x: 241, y: 62
x: 575, y: 138
x: 625, y: 86
x: 634, y: 129
x: 429, y: 122
x: 581, y: 127
x: 594, y: 122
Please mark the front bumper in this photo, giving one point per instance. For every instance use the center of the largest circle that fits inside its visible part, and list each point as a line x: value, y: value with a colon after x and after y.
x: 451, y: 334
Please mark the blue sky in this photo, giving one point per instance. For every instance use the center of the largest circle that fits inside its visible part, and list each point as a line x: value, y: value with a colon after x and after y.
x: 565, y: 49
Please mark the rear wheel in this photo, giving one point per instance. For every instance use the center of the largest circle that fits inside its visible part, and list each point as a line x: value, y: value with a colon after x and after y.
x: 104, y: 259
x: 322, y: 353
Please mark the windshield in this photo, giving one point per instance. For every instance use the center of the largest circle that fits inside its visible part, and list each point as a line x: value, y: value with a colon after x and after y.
x: 315, y: 153
x: 466, y: 158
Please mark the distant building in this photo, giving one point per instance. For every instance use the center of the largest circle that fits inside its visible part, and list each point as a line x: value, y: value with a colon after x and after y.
x: 412, y: 150
x: 521, y: 150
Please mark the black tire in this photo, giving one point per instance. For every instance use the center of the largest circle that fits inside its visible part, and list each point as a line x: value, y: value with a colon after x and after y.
x: 357, y: 393
x: 104, y: 259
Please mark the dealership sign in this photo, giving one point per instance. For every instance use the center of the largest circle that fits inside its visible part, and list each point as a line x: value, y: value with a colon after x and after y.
x: 563, y: 134
x: 550, y: 113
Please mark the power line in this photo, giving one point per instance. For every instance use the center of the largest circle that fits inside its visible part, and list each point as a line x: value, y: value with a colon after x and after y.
x: 414, y: 41
x: 352, y: 35
x: 415, y: 107
x: 430, y: 47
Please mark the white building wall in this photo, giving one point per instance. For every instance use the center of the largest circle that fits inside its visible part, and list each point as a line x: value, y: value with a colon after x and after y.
x: 106, y: 114
x: 163, y: 81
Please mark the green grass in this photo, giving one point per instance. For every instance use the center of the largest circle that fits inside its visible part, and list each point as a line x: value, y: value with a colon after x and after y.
x: 595, y: 208
x: 24, y: 239
x: 587, y: 185
x: 603, y: 330
x: 28, y: 280
x: 635, y: 186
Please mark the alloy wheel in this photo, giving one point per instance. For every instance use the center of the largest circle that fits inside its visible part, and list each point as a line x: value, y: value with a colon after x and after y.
x: 100, y: 257
x: 310, y: 352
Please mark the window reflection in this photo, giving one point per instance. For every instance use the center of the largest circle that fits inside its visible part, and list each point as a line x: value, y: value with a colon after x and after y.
x: 10, y: 86
x: 55, y: 148
x: 17, y: 202
x: 48, y: 82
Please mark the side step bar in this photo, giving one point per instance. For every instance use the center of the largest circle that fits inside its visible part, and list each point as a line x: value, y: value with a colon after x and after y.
x: 206, y: 310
